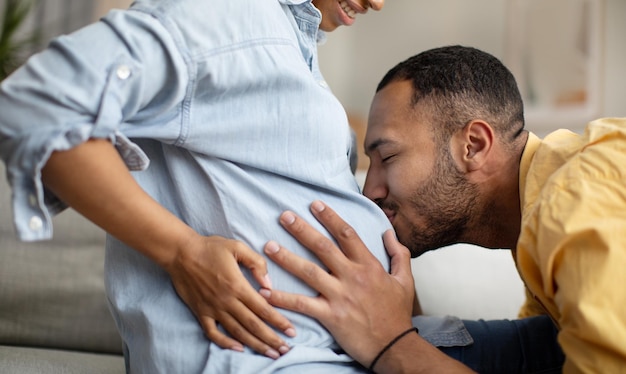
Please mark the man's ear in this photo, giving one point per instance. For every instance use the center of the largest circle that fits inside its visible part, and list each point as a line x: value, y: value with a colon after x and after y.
x: 473, y: 144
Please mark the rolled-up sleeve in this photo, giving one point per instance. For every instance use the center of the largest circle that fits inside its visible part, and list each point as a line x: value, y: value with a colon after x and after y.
x: 125, y: 71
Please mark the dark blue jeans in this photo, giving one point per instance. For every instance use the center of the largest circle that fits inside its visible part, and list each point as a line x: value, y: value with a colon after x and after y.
x: 526, y: 345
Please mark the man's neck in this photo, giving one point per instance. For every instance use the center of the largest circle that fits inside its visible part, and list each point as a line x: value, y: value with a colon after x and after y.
x: 497, y: 223
x: 501, y: 220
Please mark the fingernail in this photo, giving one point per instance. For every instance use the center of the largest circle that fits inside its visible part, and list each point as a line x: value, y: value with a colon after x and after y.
x: 265, y: 293
x: 268, y: 281
x: 283, y: 349
x: 290, y: 332
x: 288, y: 218
x: 237, y: 348
x: 271, y: 247
x: 272, y: 354
x: 317, y: 206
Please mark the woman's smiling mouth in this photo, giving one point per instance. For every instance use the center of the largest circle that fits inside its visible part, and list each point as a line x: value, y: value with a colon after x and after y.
x: 347, y: 9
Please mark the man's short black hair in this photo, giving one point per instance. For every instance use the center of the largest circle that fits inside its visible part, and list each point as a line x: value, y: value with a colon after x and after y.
x: 462, y: 84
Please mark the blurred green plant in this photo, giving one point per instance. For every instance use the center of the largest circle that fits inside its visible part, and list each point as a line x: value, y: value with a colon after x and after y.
x: 14, y: 47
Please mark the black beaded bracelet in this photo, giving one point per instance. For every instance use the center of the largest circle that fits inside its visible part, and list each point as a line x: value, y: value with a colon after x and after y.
x: 391, y: 343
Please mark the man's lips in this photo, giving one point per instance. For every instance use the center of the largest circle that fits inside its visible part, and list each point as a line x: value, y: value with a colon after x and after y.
x: 390, y: 215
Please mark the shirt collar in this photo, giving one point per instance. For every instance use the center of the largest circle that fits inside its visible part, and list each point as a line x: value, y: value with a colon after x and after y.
x: 310, y: 13
x: 532, y: 144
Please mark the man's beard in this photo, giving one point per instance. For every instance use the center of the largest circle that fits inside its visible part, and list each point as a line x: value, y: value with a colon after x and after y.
x: 444, y: 203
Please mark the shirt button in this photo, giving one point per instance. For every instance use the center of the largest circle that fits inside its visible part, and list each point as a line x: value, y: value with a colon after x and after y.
x: 323, y: 84
x: 123, y: 72
x: 32, y: 200
x: 35, y: 223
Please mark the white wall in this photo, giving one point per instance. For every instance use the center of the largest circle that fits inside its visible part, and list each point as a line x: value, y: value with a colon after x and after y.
x: 614, y: 93
x: 354, y: 59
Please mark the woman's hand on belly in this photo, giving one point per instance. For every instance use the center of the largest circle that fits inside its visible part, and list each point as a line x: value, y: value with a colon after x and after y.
x: 207, y: 277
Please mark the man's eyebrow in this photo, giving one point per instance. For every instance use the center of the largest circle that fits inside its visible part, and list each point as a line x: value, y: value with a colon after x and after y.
x: 376, y: 144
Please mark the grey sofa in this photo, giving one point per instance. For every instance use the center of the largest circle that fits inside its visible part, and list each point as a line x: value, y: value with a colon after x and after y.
x: 53, y: 312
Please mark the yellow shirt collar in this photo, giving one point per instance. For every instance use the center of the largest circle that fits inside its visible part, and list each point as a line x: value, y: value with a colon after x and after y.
x: 532, y: 144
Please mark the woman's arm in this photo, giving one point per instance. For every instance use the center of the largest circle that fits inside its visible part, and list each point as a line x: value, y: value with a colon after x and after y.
x: 93, y: 179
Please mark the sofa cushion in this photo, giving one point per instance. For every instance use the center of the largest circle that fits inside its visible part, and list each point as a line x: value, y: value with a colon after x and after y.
x: 52, y: 292
x: 36, y: 361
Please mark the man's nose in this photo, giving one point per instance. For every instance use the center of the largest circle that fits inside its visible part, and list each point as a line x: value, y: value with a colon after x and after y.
x: 373, y: 188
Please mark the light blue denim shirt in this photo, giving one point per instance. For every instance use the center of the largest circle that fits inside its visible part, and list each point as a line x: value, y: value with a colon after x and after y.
x: 225, y: 101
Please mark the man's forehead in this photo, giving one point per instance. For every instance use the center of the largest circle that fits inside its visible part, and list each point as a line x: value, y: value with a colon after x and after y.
x: 392, y: 105
x: 395, y: 95
x: 388, y: 105
x: 393, y: 119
